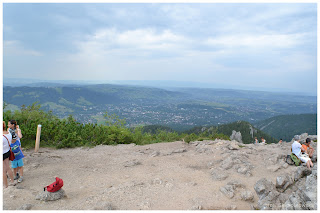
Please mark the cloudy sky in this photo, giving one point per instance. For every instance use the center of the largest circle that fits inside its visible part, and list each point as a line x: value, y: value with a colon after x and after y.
x: 241, y: 45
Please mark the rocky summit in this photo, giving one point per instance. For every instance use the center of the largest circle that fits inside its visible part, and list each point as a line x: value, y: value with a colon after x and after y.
x: 200, y: 175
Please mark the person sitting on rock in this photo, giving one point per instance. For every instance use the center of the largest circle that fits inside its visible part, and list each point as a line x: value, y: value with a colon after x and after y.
x: 256, y: 140
x: 308, y: 148
x: 280, y: 141
x: 263, y: 141
x: 297, y: 148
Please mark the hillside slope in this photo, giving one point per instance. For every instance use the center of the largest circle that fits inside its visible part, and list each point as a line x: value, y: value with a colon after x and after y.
x: 284, y: 126
x: 247, y: 130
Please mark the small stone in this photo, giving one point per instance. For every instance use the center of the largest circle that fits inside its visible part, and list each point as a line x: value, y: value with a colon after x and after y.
x: 155, y: 153
x: 132, y: 163
x: 104, y: 206
x: 196, y: 208
x: 273, y: 168
x: 247, y: 196
x: 179, y: 150
x: 228, y: 191
x: 26, y: 207
x: 231, y: 207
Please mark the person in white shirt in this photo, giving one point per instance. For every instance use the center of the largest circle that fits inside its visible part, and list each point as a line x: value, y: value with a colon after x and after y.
x: 297, y: 148
x: 6, y: 139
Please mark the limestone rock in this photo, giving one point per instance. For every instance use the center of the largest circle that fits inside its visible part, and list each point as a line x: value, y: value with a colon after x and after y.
x: 247, y: 196
x: 297, y: 201
x: 233, y: 145
x: 132, y: 163
x: 236, y: 136
x: 230, y: 188
x: 218, y: 174
x: 283, y: 182
x: 227, y: 163
x: 26, y: 207
x: 179, y: 151
x: 301, y: 172
x: 263, y: 187
x: 51, y: 196
x: 228, y: 191
x: 104, y: 206
x: 155, y: 153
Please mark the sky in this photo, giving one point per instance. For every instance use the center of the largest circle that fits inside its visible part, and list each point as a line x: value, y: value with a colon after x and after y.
x: 254, y: 45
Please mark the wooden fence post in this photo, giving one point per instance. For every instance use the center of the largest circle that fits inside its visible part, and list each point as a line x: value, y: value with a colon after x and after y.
x: 38, y: 138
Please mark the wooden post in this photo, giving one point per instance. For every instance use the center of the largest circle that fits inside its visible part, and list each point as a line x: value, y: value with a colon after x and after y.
x: 38, y: 138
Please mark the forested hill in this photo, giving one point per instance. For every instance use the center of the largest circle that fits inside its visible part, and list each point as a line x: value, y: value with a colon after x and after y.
x: 284, y: 126
x: 247, y: 130
x: 178, y: 108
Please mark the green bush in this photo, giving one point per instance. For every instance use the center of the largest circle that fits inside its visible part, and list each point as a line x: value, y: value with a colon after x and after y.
x: 68, y: 133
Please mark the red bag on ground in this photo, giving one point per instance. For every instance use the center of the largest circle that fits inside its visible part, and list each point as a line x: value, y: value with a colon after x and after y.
x: 55, y: 186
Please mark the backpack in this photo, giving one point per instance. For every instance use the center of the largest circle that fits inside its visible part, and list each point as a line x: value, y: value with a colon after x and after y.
x: 55, y: 186
x: 289, y: 160
x: 295, y: 159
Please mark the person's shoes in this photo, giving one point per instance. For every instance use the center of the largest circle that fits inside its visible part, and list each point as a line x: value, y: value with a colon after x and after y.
x: 20, y: 179
x: 13, y: 183
x: 16, y: 177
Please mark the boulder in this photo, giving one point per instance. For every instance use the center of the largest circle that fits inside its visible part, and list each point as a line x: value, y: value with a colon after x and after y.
x: 233, y: 145
x: 228, y: 191
x: 283, y: 182
x: 263, y: 187
x: 51, y: 196
x: 247, y: 196
x: 301, y: 172
x: 227, y: 163
x: 236, y: 136
x: 311, y: 191
x: 202, y: 148
x: 270, y: 201
x: 218, y: 174
x: 297, y: 201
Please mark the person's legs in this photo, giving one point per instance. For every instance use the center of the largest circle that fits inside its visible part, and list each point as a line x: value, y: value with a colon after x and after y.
x: 7, y: 169
x: 21, y: 171
x: 5, y: 181
x: 308, y: 165
x: 310, y: 162
x: 14, y: 166
x: 15, y: 171
x: 310, y: 152
x: 20, y: 167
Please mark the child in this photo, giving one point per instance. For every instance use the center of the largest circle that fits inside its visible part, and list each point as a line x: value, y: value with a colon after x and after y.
x: 17, y: 163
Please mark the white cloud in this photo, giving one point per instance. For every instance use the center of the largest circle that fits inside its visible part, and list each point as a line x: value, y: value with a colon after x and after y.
x: 131, y: 42
x: 16, y: 48
x: 258, y: 41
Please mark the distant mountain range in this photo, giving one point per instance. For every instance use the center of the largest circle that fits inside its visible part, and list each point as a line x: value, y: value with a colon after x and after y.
x: 177, y: 108
x: 163, y: 84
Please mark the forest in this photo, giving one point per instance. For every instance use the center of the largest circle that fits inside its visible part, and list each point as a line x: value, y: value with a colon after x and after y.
x: 68, y: 133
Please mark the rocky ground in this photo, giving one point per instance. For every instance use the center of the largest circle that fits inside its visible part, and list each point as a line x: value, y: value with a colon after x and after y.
x: 208, y: 175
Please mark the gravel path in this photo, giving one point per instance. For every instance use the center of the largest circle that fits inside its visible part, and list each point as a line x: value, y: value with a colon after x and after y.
x: 163, y: 176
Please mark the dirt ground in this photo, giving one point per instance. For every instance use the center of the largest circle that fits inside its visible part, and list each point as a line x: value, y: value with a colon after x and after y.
x: 162, y: 176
